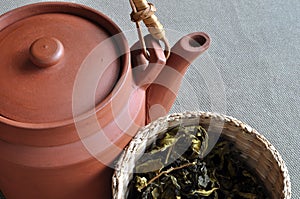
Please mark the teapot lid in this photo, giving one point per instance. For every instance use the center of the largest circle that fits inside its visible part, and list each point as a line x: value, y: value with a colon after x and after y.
x: 42, y: 48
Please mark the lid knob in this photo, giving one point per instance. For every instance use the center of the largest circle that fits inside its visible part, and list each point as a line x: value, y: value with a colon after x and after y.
x: 46, y: 52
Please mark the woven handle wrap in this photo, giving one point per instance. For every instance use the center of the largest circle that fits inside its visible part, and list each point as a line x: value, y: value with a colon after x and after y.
x: 144, y: 11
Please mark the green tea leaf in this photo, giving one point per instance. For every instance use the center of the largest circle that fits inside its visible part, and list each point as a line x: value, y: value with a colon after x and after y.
x: 150, y: 165
x: 141, y: 182
x: 189, y: 175
x: 204, y: 192
x: 164, y: 143
x: 174, y: 182
x: 155, y: 193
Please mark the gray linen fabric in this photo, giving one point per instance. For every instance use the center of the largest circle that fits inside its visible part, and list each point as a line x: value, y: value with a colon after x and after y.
x: 251, y: 71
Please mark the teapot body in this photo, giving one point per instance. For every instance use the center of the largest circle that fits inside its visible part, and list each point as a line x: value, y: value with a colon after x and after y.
x: 38, y: 164
x: 62, y: 123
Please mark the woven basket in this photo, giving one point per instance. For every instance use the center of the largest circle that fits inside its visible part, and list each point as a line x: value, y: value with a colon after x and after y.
x: 259, y: 154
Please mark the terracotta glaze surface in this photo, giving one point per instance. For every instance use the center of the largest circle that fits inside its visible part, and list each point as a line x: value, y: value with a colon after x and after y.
x: 54, y: 142
x: 46, y: 52
x: 48, y: 90
x: 183, y: 53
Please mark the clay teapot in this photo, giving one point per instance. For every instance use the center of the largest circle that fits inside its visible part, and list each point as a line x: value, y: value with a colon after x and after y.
x: 62, y: 122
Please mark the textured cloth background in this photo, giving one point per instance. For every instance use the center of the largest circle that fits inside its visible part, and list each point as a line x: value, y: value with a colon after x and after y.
x: 251, y: 71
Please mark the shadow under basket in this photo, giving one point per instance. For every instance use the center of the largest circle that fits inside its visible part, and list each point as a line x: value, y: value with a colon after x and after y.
x: 258, y: 153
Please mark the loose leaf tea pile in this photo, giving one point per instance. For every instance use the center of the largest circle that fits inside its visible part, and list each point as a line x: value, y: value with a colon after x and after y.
x: 174, y: 167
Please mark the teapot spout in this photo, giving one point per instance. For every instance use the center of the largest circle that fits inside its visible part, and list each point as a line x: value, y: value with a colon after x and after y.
x: 161, y: 94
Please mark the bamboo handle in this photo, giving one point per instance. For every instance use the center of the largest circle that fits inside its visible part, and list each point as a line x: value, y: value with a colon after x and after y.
x: 144, y: 11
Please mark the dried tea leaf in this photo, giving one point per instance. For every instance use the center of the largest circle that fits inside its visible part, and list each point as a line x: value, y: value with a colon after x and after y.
x: 164, y: 143
x: 247, y: 174
x: 233, y: 175
x: 141, y: 182
x: 167, y: 141
x: 150, y: 165
x: 174, y: 182
x: 204, y: 192
x: 231, y: 169
x: 187, y: 175
x: 155, y: 193
x: 203, y: 181
x: 196, y: 144
x: 248, y: 195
